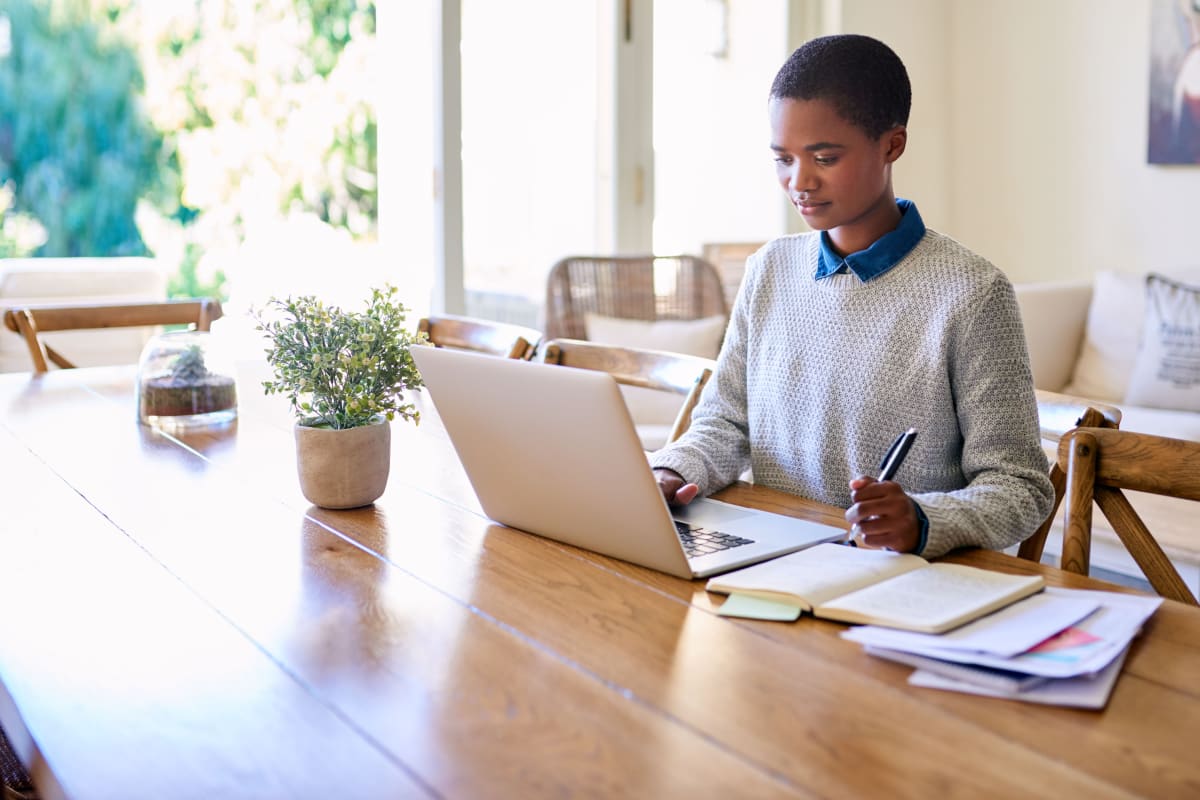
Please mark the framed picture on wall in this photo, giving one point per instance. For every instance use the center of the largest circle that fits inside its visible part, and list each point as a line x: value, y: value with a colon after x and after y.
x: 1174, y: 82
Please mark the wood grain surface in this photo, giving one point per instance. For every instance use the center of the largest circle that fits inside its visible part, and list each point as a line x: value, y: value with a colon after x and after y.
x: 190, y: 626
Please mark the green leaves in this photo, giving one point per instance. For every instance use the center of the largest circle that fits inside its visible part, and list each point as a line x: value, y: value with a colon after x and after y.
x: 76, y: 148
x: 341, y: 369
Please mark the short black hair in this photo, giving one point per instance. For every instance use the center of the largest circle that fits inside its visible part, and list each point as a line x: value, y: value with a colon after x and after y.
x: 862, y: 77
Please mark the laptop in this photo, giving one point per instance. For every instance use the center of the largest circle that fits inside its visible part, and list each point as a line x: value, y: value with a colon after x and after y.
x: 552, y: 450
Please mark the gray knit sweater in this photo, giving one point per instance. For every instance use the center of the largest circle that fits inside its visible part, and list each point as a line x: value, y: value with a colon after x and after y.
x: 816, y: 378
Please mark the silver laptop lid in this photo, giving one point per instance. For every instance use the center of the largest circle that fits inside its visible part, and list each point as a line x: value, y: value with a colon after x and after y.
x: 551, y: 450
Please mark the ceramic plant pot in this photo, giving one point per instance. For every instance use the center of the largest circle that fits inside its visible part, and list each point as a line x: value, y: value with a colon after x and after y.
x: 344, y: 468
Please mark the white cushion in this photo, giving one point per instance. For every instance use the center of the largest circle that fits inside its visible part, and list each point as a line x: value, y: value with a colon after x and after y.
x: 1114, y: 327
x: 1111, y: 337
x: 1161, y: 422
x: 694, y: 337
x: 652, y: 407
x: 72, y: 278
x: 653, y: 436
x: 1054, y: 315
x: 1167, y: 371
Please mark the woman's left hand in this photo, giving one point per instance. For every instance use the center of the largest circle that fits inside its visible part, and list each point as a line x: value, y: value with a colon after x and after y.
x: 886, y: 517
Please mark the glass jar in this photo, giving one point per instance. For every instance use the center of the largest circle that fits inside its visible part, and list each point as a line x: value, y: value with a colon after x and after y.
x: 184, y: 381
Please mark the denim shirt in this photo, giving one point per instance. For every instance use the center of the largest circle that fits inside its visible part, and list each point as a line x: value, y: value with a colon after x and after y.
x: 881, y: 256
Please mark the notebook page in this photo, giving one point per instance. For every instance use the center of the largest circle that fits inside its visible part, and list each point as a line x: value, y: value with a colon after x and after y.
x: 815, y: 575
x: 934, y: 599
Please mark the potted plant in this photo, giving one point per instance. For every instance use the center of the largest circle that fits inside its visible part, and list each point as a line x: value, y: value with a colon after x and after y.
x: 345, y: 374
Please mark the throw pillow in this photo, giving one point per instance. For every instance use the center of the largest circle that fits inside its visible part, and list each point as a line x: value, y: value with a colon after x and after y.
x: 1167, y: 371
x: 695, y: 337
x: 1110, y: 341
x: 1112, y: 334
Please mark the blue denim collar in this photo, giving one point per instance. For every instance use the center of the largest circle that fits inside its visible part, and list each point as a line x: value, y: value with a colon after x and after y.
x: 881, y: 256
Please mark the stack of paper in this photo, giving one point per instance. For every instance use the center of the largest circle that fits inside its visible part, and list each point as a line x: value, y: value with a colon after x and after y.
x: 1063, y: 647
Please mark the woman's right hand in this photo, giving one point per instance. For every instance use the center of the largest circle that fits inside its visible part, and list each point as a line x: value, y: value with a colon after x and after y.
x: 675, y: 489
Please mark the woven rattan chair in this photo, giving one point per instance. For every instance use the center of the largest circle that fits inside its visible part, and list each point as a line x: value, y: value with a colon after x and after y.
x: 480, y: 335
x: 1099, y: 463
x: 632, y: 287
x: 32, y: 321
x: 680, y: 374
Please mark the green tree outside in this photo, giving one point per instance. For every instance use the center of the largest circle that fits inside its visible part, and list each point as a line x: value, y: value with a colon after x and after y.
x: 175, y: 126
x: 270, y: 104
x: 77, y: 150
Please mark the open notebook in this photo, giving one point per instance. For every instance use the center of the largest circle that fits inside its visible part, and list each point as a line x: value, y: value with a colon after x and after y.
x: 551, y: 450
x: 876, y: 587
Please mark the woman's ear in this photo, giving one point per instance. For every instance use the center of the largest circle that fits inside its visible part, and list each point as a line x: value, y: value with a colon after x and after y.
x: 896, y: 140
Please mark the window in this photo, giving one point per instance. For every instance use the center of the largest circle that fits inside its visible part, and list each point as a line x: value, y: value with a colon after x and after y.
x: 529, y: 148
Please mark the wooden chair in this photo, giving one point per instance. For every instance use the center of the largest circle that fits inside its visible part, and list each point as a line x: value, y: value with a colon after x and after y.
x: 632, y: 287
x: 1058, y: 414
x: 1099, y: 463
x: 649, y: 369
x: 730, y: 260
x: 483, y: 336
x: 32, y: 321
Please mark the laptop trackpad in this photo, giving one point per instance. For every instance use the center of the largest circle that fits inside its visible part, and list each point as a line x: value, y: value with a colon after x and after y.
x: 710, y: 514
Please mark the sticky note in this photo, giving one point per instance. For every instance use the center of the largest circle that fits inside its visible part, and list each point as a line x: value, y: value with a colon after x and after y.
x: 740, y: 605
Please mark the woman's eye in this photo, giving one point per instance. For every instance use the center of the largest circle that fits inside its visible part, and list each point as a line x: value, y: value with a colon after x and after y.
x: 826, y: 161
x: 785, y: 160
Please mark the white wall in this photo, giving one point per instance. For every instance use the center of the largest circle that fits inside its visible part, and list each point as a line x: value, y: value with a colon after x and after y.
x: 917, y: 30
x: 1045, y: 151
x: 1049, y: 142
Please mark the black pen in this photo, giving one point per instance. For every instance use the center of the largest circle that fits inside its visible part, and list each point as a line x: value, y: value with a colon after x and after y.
x: 895, y: 455
x: 888, y: 467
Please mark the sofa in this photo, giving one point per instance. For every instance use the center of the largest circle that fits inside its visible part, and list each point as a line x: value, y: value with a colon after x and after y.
x: 1090, y: 339
x: 54, y: 281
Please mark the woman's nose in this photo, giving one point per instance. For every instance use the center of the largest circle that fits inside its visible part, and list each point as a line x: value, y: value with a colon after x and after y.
x: 799, y: 178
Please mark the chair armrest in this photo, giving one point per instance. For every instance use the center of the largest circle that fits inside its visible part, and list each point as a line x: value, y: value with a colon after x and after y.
x: 1059, y: 413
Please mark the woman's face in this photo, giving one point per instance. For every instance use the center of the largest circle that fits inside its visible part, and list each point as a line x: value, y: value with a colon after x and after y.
x: 835, y: 175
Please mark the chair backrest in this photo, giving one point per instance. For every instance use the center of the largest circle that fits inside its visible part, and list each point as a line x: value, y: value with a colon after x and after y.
x: 482, y: 336
x: 649, y: 369
x: 632, y: 287
x: 32, y: 321
x: 1099, y: 463
x: 1058, y: 414
x: 730, y: 260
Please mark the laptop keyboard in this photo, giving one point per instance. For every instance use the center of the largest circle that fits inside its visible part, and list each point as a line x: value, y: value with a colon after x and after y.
x: 702, y: 541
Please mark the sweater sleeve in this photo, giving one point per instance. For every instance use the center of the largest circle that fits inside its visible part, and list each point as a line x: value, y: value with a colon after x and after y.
x: 715, y: 451
x: 1008, y: 493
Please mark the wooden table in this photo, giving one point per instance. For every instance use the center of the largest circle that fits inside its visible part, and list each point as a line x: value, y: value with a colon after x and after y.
x: 178, y: 622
